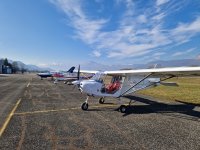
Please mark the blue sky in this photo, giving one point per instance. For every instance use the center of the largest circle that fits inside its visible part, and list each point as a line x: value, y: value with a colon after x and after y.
x: 61, y: 33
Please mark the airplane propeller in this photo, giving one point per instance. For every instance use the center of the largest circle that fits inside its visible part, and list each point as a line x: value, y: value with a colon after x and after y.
x: 77, y: 82
x: 78, y: 75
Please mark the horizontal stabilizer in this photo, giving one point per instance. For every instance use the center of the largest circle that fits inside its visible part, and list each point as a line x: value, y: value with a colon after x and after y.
x: 169, y: 83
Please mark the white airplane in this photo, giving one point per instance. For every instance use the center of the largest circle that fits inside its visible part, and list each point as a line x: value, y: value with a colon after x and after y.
x: 124, y: 82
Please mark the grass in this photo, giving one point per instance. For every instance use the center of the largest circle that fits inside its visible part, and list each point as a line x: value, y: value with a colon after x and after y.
x: 187, y: 91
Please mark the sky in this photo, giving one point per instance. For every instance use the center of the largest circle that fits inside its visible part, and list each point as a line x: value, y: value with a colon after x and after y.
x: 62, y: 33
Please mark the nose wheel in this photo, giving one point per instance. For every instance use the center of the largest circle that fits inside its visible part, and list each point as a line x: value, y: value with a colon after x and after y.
x: 84, y: 106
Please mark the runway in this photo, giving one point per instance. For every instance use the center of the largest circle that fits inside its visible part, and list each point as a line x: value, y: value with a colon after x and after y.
x: 48, y: 116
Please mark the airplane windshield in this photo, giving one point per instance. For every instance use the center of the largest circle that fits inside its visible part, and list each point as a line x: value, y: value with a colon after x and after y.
x: 99, y: 76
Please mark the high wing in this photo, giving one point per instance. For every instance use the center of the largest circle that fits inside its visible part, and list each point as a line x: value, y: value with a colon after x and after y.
x: 136, y: 80
x: 159, y: 72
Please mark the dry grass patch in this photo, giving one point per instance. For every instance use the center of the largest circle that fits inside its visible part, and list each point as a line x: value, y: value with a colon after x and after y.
x: 187, y: 91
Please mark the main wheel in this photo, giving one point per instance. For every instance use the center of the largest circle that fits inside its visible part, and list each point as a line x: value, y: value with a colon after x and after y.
x: 84, y: 106
x: 101, y: 100
x: 123, y: 108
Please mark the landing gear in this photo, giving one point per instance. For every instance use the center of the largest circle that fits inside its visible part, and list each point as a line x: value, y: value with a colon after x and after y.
x: 101, y: 100
x: 84, y: 106
x: 123, y: 108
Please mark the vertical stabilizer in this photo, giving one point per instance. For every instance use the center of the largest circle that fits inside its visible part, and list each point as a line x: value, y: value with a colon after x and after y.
x: 71, y: 70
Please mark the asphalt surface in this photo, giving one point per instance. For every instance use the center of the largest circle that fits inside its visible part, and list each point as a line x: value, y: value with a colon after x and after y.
x: 49, y: 117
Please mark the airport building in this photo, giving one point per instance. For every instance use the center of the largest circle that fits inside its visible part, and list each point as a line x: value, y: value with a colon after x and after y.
x: 6, y: 69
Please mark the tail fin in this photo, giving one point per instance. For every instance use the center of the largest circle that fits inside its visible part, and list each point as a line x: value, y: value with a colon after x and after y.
x: 71, y: 70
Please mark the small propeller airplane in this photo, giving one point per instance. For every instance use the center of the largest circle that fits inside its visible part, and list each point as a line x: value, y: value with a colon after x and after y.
x: 124, y: 82
x: 70, y: 75
x: 45, y: 74
x: 67, y: 76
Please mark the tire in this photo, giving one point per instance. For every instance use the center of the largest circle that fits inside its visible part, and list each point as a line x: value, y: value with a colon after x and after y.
x: 123, y: 109
x: 84, y: 106
x: 101, y: 100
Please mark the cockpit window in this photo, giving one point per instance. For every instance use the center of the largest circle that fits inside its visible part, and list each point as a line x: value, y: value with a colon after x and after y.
x: 99, y: 76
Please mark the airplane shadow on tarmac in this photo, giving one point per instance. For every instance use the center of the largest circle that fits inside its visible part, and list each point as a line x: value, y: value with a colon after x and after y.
x: 174, y: 110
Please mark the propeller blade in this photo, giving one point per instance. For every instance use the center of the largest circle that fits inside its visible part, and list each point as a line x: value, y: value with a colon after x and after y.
x: 78, y: 75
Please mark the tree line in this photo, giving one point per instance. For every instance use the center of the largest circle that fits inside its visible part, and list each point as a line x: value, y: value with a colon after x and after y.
x: 14, y: 66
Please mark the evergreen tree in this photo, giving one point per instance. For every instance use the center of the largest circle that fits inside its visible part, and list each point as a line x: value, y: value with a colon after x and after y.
x: 6, y: 62
x: 15, y: 67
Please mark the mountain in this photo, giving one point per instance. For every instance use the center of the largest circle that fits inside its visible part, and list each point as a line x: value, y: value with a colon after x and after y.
x: 177, y: 63
x: 36, y: 68
x: 29, y: 67
x: 160, y: 63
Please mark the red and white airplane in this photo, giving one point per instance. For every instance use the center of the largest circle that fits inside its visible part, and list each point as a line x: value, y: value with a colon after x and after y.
x: 124, y: 82
x: 59, y: 75
x: 70, y: 75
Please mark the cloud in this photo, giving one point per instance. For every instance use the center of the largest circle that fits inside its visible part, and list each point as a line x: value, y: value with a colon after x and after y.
x: 138, y: 32
x: 198, y: 57
x: 159, y: 53
x: 183, y: 52
x: 192, y: 27
x: 159, y: 16
x: 86, y: 29
x: 96, y: 53
x: 142, y: 19
x: 161, y: 2
x: 185, y: 31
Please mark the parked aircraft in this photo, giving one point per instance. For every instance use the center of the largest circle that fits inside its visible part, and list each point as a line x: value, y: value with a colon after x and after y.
x: 70, y: 75
x: 45, y: 75
x: 124, y: 82
x: 55, y: 74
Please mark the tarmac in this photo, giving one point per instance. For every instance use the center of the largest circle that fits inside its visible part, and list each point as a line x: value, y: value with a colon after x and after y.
x: 38, y: 114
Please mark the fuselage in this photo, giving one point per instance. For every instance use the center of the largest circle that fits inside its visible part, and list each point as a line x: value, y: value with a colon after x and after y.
x: 115, y: 89
x: 45, y: 75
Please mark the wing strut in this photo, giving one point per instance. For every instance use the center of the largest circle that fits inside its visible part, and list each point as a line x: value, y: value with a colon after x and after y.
x: 136, y: 84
